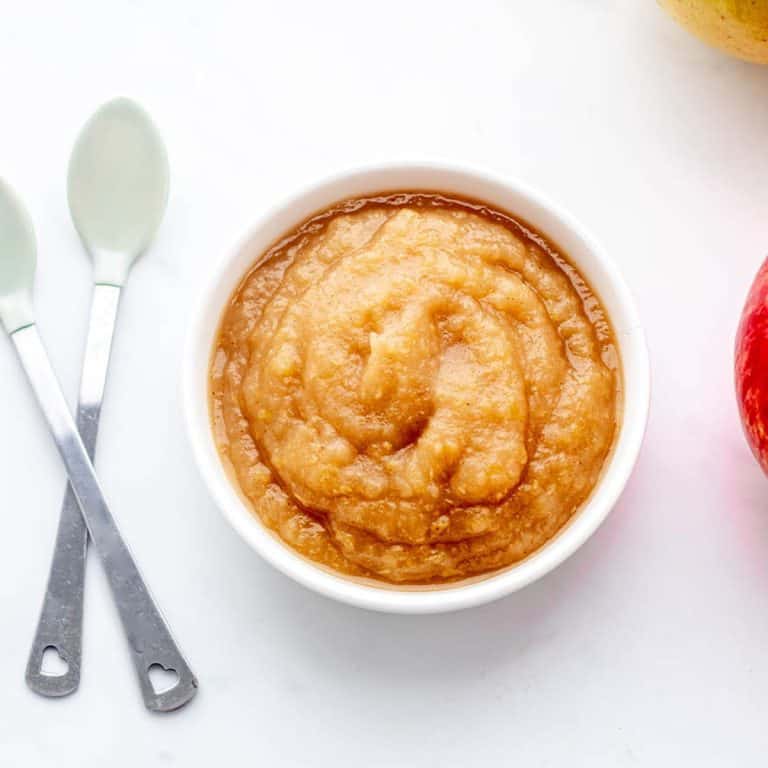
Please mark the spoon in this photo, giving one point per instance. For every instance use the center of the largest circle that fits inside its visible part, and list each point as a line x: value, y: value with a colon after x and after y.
x: 148, y: 635
x: 117, y: 189
x: 150, y: 641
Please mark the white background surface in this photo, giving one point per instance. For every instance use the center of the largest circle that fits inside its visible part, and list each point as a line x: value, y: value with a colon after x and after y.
x: 648, y: 647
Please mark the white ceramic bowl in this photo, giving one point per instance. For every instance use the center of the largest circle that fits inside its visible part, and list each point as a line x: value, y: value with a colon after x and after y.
x: 501, y: 193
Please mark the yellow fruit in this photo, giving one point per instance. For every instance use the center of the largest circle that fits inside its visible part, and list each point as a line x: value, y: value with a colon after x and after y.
x: 739, y: 27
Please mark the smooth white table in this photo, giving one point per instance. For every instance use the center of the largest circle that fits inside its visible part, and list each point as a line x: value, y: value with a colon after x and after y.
x: 648, y: 647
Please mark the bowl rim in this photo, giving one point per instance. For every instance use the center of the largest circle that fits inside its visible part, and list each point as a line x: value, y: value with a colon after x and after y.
x: 230, y: 501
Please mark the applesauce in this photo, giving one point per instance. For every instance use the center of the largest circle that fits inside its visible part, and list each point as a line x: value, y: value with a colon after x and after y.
x: 414, y: 388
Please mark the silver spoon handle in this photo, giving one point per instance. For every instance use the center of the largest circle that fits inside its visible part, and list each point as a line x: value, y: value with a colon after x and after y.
x: 61, y: 618
x: 148, y: 635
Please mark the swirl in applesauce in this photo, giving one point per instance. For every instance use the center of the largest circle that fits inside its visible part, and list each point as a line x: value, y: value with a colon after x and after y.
x: 415, y: 389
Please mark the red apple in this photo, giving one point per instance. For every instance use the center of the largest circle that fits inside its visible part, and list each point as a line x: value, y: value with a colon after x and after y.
x: 752, y: 367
